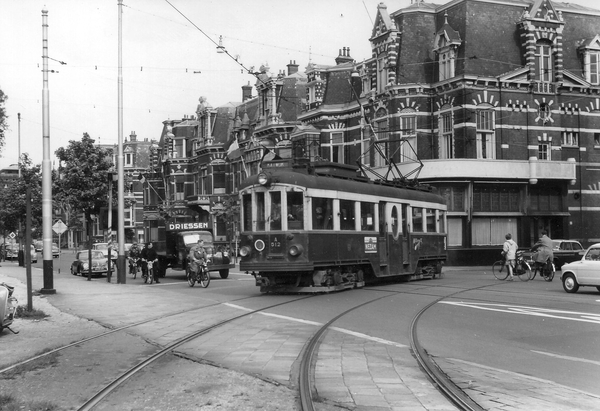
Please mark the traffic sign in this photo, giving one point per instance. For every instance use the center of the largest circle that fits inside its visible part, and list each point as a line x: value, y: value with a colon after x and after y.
x: 59, y: 227
x: 12, y: 236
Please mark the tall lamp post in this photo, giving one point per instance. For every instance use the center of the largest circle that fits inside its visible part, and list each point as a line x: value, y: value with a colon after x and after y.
x: 121, y: 273
x: 46, y: 168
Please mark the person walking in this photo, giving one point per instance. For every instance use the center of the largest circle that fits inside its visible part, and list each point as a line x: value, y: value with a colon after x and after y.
x: 509, y: 250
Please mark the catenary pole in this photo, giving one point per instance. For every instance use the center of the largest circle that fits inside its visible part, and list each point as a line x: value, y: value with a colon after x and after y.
x: 46, y: 168
x: 121, y: 273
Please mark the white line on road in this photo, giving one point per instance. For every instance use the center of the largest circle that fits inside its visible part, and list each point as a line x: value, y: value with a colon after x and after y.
x: 533, y: 311
x: 308, y: 322
x: 564, y: 357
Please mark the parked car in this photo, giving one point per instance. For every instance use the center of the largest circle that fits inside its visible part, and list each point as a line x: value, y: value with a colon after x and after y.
x: 565, y: 251
x: 39, y: 245
x: 103, y: 247
x: 33, y: 254
x: 81, y: 264
x: 12, y: 251
x: 55, y: 250
x: 585, y: 272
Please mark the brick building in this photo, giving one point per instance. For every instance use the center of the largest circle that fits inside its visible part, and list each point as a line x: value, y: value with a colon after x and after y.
x: 498, y: 101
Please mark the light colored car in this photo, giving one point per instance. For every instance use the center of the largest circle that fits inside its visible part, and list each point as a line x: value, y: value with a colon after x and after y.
x: 81, y: 264
x: 103, y: 247
x: 585, y: 272
x: 33, y: 254
x: 55, y: 250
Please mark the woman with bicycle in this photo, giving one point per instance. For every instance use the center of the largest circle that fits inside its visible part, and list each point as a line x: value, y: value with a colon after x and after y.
x: 509, y: 251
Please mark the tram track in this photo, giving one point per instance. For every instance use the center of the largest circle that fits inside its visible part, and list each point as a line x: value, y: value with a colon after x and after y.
x: 306, y: 386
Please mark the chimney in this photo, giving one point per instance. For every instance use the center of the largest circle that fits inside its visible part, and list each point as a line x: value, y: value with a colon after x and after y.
x: 133, y: 136
x: 246, y: 92
x: 292, y: 67
x: 344, y: 56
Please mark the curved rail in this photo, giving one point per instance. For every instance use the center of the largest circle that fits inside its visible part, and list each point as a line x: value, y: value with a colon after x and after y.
x: 103, y: 393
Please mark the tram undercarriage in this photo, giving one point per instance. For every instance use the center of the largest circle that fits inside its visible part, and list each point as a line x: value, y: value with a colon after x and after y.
x: 322, y: 280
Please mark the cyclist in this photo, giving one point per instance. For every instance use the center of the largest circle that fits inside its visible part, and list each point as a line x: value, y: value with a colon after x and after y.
x: 543, y: 251
x: 197, y: 255
x: 149, y: 254
x: 134, y: 254
x: 509, y: 251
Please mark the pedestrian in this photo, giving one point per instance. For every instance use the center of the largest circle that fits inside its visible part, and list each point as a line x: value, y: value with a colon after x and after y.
x: 509, y: 250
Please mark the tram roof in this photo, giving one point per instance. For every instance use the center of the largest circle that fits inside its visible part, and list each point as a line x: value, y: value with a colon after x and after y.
x: 303, y: 177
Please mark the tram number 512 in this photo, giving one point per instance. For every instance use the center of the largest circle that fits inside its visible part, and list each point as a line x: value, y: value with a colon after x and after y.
x: 275, y: 245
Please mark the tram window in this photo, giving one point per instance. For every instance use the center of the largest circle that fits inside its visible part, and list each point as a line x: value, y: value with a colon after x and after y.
x: 417, y: 220
x: 367, y: 216
x: 275, y: 217
x: 322, y: 209
x: 260, y: 211
x: 394, y: 221
x: 442, y: 222
x: 347, y: 215
x: 430, y: 213
x: 295, y: 212
x: 247, y: 210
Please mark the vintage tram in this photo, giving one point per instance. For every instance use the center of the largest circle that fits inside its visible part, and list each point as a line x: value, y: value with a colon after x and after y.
x: 321, y: 227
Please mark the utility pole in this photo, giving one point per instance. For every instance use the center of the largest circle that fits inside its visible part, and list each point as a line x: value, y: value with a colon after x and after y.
x: 46, y: 168
x: 121, y: 272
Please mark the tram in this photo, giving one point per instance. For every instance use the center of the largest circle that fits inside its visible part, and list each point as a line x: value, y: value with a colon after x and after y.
x: 321, y: 227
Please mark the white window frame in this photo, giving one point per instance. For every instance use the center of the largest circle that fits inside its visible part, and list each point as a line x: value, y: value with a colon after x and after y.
x: 544, y: 150
x: 486, y: 135
x: 408, y: 133
x: 570, y: 138
x: 446, y: 135
x: 544, y: 62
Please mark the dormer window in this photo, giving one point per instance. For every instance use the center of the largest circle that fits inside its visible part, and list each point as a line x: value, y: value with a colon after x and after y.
x: 590, y: 54
x: 544, y: 61
x: 447, y: 41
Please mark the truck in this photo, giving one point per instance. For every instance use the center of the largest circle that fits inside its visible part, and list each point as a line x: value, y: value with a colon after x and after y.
x: 180, y: 237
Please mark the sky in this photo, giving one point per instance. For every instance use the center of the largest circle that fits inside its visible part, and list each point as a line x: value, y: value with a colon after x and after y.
x: 169, y: 59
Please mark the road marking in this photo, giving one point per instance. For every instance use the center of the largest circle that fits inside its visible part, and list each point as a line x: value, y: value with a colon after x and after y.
x: 533, y: 311
x: 564, y: 357
x: 308, y: 322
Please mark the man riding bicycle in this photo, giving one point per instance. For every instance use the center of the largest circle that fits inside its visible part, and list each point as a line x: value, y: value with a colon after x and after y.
x: 134, y: 256
x: 197, y: 255
x: 543, y: 250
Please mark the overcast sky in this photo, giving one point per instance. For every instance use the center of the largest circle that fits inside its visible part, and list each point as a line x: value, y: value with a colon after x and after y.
x: 168, y: 61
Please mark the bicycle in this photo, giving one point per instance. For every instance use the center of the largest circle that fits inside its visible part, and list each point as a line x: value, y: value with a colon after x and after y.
x: 197, y: 271
x: 133, y: 267
x: 521, y: 268
x: 149, y: 273
x: 546, y: 270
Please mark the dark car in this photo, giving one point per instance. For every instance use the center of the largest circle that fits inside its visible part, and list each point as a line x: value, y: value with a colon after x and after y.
x: 81, y: 264
x: 565, y: 251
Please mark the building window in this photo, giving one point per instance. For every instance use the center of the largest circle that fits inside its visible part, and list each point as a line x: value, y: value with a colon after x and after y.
x: 408, y: 134
x: 486, y: 139
x: 544, y: 63
x: 446, y: 130
x: 491, y: 231
x: 596, y: 139
x: 543, y: 151
x: 382, y: 74
x: 594, y: 68
x: 570, y: 138
x: 381, y: 128
x: 333, y: 147
x: 219, y: 179
x: 128, y: 159
x: 179, y: 191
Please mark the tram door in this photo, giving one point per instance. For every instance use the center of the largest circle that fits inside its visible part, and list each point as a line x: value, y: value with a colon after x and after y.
x: 405, y: 247
x: 382, y: 245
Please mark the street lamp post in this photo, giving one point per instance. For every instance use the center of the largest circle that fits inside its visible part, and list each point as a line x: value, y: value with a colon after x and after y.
x: 46, y: 168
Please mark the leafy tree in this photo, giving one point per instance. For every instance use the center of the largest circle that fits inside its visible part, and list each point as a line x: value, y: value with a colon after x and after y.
x: 229, y: 212
x: 3, y: 117
x: 13, y: 210
x: 83, y: 183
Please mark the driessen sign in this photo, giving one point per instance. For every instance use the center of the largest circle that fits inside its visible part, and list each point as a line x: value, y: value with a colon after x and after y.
x: 187, y: 226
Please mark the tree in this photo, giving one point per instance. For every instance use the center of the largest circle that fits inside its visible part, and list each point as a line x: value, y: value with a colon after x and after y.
x: 3, y: 117
x: 13, y: 210
x: 229, y: 212
x: 83, y: 183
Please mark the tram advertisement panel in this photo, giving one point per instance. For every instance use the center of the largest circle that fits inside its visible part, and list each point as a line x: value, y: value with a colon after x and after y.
x: 370, y: 244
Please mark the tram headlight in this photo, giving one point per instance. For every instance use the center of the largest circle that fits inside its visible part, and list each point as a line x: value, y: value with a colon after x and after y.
x: 245, y: 251
x: 295, y: 250
x: 263, y: 179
